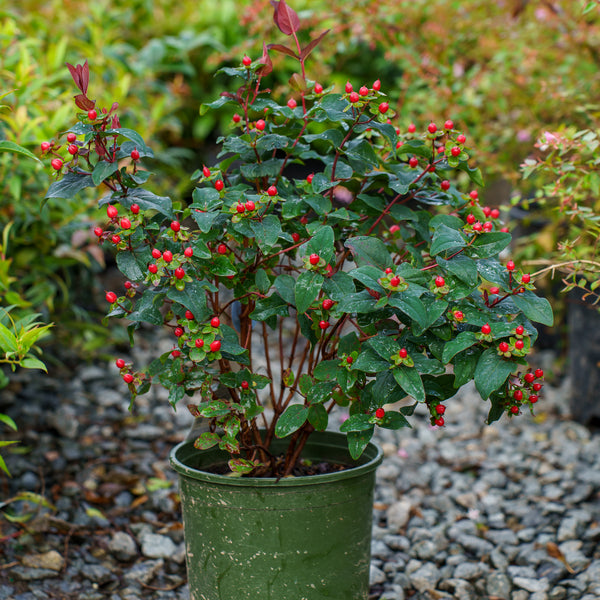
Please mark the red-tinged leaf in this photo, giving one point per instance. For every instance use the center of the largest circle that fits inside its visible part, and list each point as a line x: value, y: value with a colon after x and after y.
x: 206, y: 440
x: 285, y: 17
x: 116, y: 124
x: 76, y: 75
x: 284, y: 50
x: 193, y: 408
x: 265, y: 60
x: 310, y: 47
x: 298, y: 83
x: 85, y: 77
x: 84, y: 103
x: 230, y: 95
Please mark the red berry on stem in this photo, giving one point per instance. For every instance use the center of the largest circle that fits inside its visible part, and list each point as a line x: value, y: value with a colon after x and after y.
x: 529, y: 377
x: 518, y: 395
x: 327, y: 304
x: 219, y: 185
x: 128, y: 378
x: 413, y: 162
x: 412, y: 128
x: 486, y: 329
x: 215, y: 322
x: 189, y: 315
x: 403, y: 353
x: 215, y: 346
x: 45, y: 146
x: 514, y: 410
x: 503, y: 347
x: 111, y: 211
x: 495, y: 213
x: 221, y: 249
x: 354, y: 97
x: 156, y: 253
x: 246, y: 61
x: 537, y: 387
x: 179, y: 273
x: 477, y: 226
x: 349, y: 360
x: 199, y: 342
x: 245, y: 385
x: 115, y: 239
x: 364, y: 91
x: 310, y: 177
x: 380, y: 413
x: 175, y: 226
x: 440, y: 409
x: 205, y: 171
x: 314, y: 259
x: 318, y: 88
x: 510, y: 265
x: 92, y: 115
x: 474, y: 194
x: 175, y: 353
x: 449, y: 124
x: 296, y: 237
x: 388, y: 270
x: 494, y: 290
x: 135, y: 155
x: 152, y: 268
x: 56, y: 164
x: 377, y: 85
x: 440, y: 421
x: 445, y: 185
x: 272, y: 191
x: 519, y: 330
x: 471, y: 219
x: 526, y: 278
x: 323, y: 324
x: 461, y: 139
x: 125, y: 223
x: 111, y: 297
x: 250, y: 206
x: 98, y: 231
x: 432, y: 128
x: 135, y: 209
x: 439, y: 281
x: 519, y: 344
x: 455, y: 151
x: 348, y: 88
x: 167, y: 256
x: 292, y: 103
x: 459, y: 315
x: 539, y: 373
x: 260, y: 125
x: 72, y: 149
x: 394, y: 228
x: 488, y: 226
x: 533, y: 398
x: 240, y: 208
x: 188, y: 252
x: 384, y: 107
x: 394, y: 281
x: 178, y: 331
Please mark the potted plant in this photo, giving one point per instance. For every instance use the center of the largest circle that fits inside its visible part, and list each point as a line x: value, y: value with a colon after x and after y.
x: 369, y: 279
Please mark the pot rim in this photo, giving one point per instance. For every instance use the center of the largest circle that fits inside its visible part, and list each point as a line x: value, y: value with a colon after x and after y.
x: 369, y: 460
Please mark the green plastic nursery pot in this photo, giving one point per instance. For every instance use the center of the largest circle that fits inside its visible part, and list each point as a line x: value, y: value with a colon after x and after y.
x: 300, y: 538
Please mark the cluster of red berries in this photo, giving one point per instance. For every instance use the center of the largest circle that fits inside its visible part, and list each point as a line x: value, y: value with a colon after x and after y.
x: 437, y: 411
x: 526, y: 390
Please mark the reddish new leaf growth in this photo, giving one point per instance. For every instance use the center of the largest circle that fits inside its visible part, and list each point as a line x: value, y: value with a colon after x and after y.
x: 310, y: 47
x: 265, y: 60
x: 285, y: 17
x: 284, y: 50
x: 80, y: 75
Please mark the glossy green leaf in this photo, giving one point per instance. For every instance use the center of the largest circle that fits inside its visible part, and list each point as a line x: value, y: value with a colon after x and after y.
x: 535, y: 308
x: 461, y: 342
x: 446, y: 239
x: 368, y: 250
x: 8, y: 146
x: 207, y: 440
x: 409, y: 379
x: 103, y: 170
x: 358, y: 441
x: 308, y: 286
x: 291, y: 420
x: 318, y: 417
x: 69, y: 186
x: 491, y: 372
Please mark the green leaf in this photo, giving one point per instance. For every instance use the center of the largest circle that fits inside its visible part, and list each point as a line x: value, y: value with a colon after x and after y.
x: 30, y: 362
x: 285, y: 286
x: 409, y: 379
x: 338, y: 286
x: 320, y: 392
x: 69, y: 186
x: 491, y: 372
x: 370, y: 362
x: 146, y: 309
x: 8, y: 342
x: 128, y: 265
x: 461, y: 342
x: 465, y: 364
x: 321, y: 243
x: 445, y: 238
x: 8, y: 146
x: 384, y: 346
x: 271, y: 142
x: 462, y: 267
x: 103, y: 170
x: 308, y: 286
x: 368, y: 250
x: 360, y: 303
x: 269, y: 307
x: 206, y: 440
x: 320, y: 183
x: 358, y: 422
x: 266, y: 232
x: 394, y: 420
x: 489, y: 244
x: 241, y: 466
x: 291, y: 420
x: 535, y: 308
x: 8, y: 421
x: 147, y: 201
x: 132, y: 135
x: 369, y: 276
x: 358, y: 441
x: 496, y: 408
x: 318, y: 417
x: 333, y: 136
x: 193, y: 298
x: 326, y: 369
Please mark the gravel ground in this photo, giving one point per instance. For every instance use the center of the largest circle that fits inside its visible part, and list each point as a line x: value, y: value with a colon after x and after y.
x: 507, y: 512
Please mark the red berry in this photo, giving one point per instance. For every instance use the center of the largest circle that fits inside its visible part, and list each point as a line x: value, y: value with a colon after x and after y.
x: 519, y: 330
x: 537, y: 387
x: 215, y: 346
x: 175, y: 353
x: 412, y: 128
x: 477, y: 226
x: 296, y: 237
x: 245, y: 385
x: 292, y: 103
x: 449, y: 124
x: 72, y: 149
x: 494, y: 290
x: 206, y: 170
x: 510, y: 265
x: 377, y: 85
x: 474, y: 194
x: 92, y: 115
x: 272, y: 191
x: 199, y: 343
x: 380, y: 413
x: 439, y: 281
x: 514, y: 410
x: 240, y: 208
x: 111, y: 211
x: 432, y: 128
x: 384, y: 107
x: 167, y: 256
x: 120, y: 363
x: 215, y: 322
x: 354, y: 97
x: 189, y: 315
x: 219, y: 185
x: 519, y: 344
x: 135, y: 155
x: 440, y: 409
x: 533, y: 398
x: 486, y: 329
x: 388, y: 271
x: 250, y: 206
x: 526, y: 278
x: 188, y: 252
x: 111, y: 297
x: 529, y: 377
x: 56, y: 164
x: 260, y: 125
x: 413, y: 162
x: 348, y: 88
x: 156, y: 253
x: 246, y: 61
x: 310, y: 177
x: 488, y: 226
x: 503, y: 347
x: 221, y: 249
x: 539, y: 373
x: 495, y: 213
x: 445, y: 185
x: 128, y: 378
x: 455, y: 151
x: 518, y: 395
x: 349, y: 360
x: 486, y: 210
x: 471, y: 219
x: 364, y: 91
x: 179, y: 273
x: 115, y: 239
x: 318, y: 88
x: 45, y: 146
x: 403, y: 353
x: 459, y: 315
x: 314, y: 259
x: 440, y: 421
x: 152, y: 268
x: 175, y: 226
x: 327, y: 304
x: 135, y: 209
x: 125, y: 223
x: 461, y: 139
x: 394, y: 228
x: 178, y: 331
x: 504, y: 230
x: 98, y: 231
x: 323, y: 324
x: 394, y: 281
